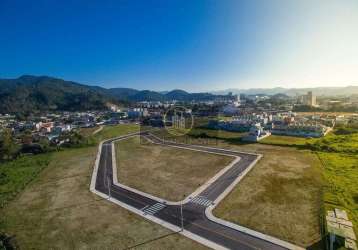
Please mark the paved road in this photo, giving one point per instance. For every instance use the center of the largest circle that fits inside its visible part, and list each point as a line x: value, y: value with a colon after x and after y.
x: 194, y: 216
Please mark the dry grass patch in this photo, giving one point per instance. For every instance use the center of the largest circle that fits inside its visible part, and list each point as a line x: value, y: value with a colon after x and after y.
x: 281, y: 196
x: 167, y: 172
x: 57, y: 211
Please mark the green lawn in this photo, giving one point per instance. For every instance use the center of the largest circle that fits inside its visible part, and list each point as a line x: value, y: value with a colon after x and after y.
x: 112, y: 131
x: 341, y: 188
x: 281, y: 140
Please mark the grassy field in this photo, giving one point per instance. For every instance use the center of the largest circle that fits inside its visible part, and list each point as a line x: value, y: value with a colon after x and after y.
x: 88, y: 131
x: 335, y: 175
x: 203, y: 136
x: 281, y: 140
x: 341, y: 188
x: 57, y: 210
x: 15, y: 175
x: 338, y: 154
x: 166, y: 172
x: 281, y: 196
x: 288, y: 201
x: 117, y: 130
x: 325, y: 113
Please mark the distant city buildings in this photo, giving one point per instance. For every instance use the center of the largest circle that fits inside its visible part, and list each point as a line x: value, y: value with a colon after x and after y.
x: 309, y: 99
x: 282, y: 123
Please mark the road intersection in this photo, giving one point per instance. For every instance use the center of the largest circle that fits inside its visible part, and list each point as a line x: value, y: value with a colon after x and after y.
x: 191, y: 217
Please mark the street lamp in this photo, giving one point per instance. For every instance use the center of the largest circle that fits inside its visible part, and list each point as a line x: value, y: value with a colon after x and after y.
x: 109, y: 189
x: 181, y: 213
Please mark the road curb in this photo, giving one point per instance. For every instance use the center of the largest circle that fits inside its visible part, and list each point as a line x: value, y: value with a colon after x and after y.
x: 208, y: 211
x: 188, y: 198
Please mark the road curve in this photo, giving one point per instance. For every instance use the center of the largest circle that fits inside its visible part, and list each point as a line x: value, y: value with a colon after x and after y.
x: 195, y: 220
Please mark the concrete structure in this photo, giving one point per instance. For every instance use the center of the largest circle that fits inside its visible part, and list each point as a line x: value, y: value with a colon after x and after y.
x: 340, y: 230
x: 256, y: 133
x: 310, y: 99
x: 301, y: 129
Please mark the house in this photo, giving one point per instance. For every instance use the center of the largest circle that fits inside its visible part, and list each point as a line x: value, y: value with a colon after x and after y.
x: 44, y: 127
x: 256, y: 133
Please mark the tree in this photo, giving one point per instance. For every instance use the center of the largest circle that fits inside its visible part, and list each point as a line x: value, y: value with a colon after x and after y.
x: 8, y: 148
x: 73, y: 138
x: 26, y: 137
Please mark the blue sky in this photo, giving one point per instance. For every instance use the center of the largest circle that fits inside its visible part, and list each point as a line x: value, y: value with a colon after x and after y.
x: 192, y: 45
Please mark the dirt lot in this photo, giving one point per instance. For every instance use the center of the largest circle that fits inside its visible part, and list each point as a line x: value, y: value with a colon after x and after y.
x: 281, y: 196
x: 166, y: 172
x: 57, y: 211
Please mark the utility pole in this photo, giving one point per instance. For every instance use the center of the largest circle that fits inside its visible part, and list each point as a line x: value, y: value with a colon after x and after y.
x: 181, y: 213
x: 109, y: 190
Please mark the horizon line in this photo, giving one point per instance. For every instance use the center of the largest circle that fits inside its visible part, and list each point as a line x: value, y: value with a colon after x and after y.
x: 229, y: 89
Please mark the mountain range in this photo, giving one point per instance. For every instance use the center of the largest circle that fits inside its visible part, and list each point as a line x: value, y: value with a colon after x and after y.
x: 319, y: 91
x: 29, y: 93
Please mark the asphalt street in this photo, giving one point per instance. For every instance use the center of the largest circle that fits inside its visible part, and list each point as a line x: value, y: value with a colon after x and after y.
x: 194, y: 218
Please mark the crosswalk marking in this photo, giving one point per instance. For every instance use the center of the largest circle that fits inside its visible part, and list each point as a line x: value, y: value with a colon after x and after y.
x: 201, y: 200
x: 154, y: 208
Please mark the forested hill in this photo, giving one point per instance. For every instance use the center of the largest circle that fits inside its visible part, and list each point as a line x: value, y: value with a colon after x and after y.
x: 30, y: 93
x: 41, y: 93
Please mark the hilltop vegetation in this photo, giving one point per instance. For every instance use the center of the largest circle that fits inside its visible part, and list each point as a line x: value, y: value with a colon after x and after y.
x: 28, y: 94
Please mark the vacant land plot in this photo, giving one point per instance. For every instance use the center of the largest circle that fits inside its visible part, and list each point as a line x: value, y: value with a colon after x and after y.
x: 16, y: 174
x: 57, y: 211
x: 116, y: 130
x: 88, y: 131
x: 338, y: 154
x: 167, y: 172
x: 281, y: 196
x: 203, y: 136
x: 285, y: 140
x: 341, y: 188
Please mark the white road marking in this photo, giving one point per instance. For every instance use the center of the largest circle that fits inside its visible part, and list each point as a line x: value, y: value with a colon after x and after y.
x: 154, y: 208
x: 201, y: 200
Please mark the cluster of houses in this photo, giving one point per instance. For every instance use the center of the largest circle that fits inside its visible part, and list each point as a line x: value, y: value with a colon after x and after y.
x: 239, y: 118
x: 281, y: 123
x: 52, y: 125
x: 49, y: 126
